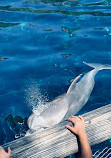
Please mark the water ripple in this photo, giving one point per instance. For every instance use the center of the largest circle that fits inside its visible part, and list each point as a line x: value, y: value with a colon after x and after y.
x: 78, y: 12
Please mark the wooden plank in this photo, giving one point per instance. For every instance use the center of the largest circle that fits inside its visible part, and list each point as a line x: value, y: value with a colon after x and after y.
x: 57, y: 141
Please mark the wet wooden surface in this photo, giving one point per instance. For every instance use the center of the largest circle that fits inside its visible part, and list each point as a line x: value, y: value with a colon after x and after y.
x: 57, y: 141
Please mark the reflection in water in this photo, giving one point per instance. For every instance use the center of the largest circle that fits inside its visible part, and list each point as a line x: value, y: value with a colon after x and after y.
x: 68, y: 3
x: 3, y: 58
x: 64, y: 29
x: 71, y: 31
x: 59, y: 11
x: 7, y: 24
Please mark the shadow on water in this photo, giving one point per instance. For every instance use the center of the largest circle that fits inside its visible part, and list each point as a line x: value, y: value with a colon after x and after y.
x: 64, y: 12
x: 64, y: 8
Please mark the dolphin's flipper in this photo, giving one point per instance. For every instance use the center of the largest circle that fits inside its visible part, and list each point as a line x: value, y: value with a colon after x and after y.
x: 73, y: 83
x: 98, y: 66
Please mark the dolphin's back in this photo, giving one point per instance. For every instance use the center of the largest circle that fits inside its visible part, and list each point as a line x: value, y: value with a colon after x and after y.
x: 79, y: 95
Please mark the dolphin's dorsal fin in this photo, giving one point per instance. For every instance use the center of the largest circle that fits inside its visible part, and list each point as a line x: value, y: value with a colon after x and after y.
x: 73, y: 83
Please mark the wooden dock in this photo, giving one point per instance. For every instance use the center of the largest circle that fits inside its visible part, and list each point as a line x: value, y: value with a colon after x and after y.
x: 57, y: 141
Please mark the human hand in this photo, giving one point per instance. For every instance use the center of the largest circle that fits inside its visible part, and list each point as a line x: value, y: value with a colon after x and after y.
x: 4, y: 154
x: 79, y: 125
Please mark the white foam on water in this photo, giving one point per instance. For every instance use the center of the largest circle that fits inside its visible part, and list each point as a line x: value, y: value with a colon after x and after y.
x: 35, y: 100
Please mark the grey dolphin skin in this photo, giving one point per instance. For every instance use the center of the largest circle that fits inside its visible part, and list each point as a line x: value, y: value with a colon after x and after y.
x: 68, y: 104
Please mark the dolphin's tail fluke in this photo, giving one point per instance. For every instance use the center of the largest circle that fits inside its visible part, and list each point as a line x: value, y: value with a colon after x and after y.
x: 98, y: 66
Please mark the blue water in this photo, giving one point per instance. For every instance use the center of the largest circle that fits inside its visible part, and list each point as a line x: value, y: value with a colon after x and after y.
x: 43, y: 44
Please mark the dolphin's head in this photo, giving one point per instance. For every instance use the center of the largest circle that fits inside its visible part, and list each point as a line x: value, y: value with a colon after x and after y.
x: 35, y: 121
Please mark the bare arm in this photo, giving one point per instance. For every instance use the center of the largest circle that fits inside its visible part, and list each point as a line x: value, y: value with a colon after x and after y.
x: 79, y: 129
x: 85, y: 147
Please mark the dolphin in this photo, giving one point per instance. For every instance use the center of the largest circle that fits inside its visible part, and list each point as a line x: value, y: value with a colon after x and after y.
x: 69, y: 103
